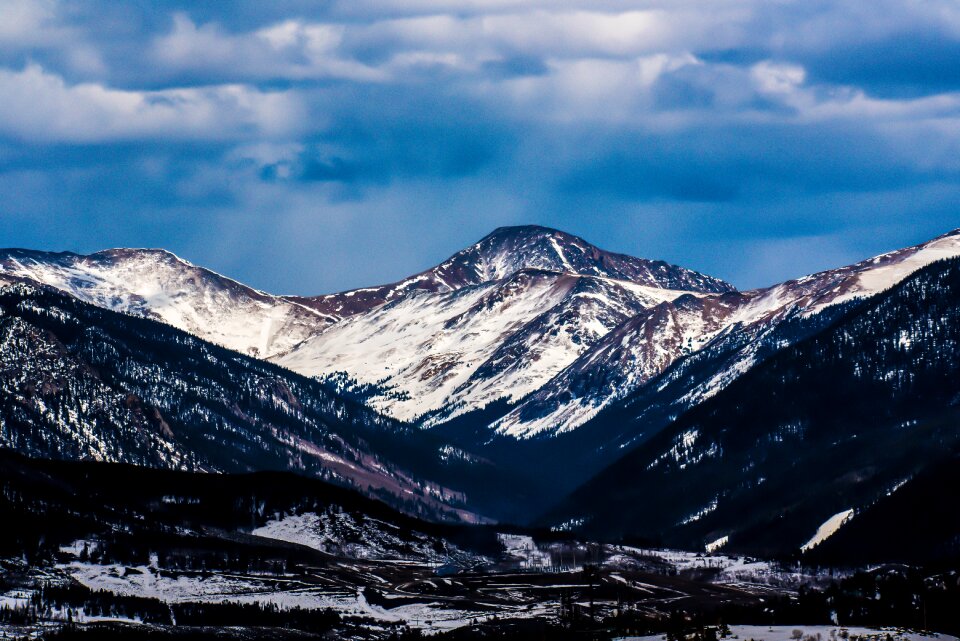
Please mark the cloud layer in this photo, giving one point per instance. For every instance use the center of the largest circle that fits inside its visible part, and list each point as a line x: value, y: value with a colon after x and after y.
x: 307, y: 150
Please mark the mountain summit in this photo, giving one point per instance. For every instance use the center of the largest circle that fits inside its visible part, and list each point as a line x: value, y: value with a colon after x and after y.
x: 508, y: 250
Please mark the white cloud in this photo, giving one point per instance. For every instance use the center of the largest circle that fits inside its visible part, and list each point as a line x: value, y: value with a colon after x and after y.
x: 584, y: 32
x: 593, y: 89
x: 317, y: 40
x: 36, y: 25
x: 291, y: 49
x: 787, y: 83
x: 447, y: 117
x: 387, y: 47
x: 41, y: 105
x: 27, y: 22
x: 556, y: 32
x: 776, y: 78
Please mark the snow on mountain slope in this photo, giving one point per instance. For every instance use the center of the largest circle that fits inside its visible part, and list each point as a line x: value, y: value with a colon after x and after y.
x: 811, y: 295
x: 552, y: 340
x: 527, y: 314
x: 359, y: 536
x: 645, y: 346
x: 828, y: 528
x: 157, y: 284
x: 619, y: 362
x: 463, y: 349
x: 495, y: 320
x: 871, y: 276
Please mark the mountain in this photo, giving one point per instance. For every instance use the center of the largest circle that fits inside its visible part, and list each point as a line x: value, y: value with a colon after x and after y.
x: 550, y: 333
x: 120, y: 511
x: 730, y: 330
x: 82, y: 383
x: 508, y: 250
x: 533, y: 330
x: 491, y: 323
x: 805, y: 441
x: 531, y: 344
x: 156, y: 284
x: 466, y: 348
x: 270, y: 555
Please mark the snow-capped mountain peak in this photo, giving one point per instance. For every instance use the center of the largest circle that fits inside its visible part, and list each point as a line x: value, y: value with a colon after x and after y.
x: 157, y: 284
x: 493, y: 322
x: 508, y: 250
x: 527, y: 315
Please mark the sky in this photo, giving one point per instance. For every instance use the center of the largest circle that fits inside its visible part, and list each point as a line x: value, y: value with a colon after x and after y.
x: 308, y: 147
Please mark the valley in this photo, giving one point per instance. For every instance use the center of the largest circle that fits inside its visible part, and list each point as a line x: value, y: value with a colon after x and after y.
x: 131, y: 552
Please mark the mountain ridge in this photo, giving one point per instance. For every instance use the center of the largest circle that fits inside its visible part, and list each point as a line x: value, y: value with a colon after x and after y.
x: 838, y: 420
x: 484, y: 261
x: 544, y: 363
x: 635, y: 358
x: 525, y: 315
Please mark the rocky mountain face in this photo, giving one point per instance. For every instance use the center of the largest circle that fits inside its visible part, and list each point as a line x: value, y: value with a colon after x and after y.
x: 803, y: 442
x: 492, y: 323
x: 82, y: 383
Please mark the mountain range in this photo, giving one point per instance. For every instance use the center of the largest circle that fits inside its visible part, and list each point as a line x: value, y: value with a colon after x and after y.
x: 530, y: 377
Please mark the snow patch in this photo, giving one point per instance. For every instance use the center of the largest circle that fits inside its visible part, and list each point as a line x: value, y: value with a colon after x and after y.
x: 716, y: 544
x: 827, y: 529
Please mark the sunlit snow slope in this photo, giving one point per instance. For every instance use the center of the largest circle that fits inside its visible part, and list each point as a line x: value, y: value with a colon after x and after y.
x: 157, y: 284
x: 493, y: 322
x: 463, y: 349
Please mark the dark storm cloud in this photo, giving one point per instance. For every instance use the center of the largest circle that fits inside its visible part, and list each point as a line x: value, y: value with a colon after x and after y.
x: 901, y: 66
x: 279, y: 141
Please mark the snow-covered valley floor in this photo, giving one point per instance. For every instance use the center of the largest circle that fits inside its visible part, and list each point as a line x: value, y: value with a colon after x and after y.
x: 816, y: 633
x: 371, y: 571
x: 410, y: 580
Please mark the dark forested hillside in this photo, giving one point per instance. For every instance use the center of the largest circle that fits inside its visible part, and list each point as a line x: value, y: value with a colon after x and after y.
x: 918, y: 522
x: 81, y: 383
x: 130, y: 509
x: 836, y: 422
